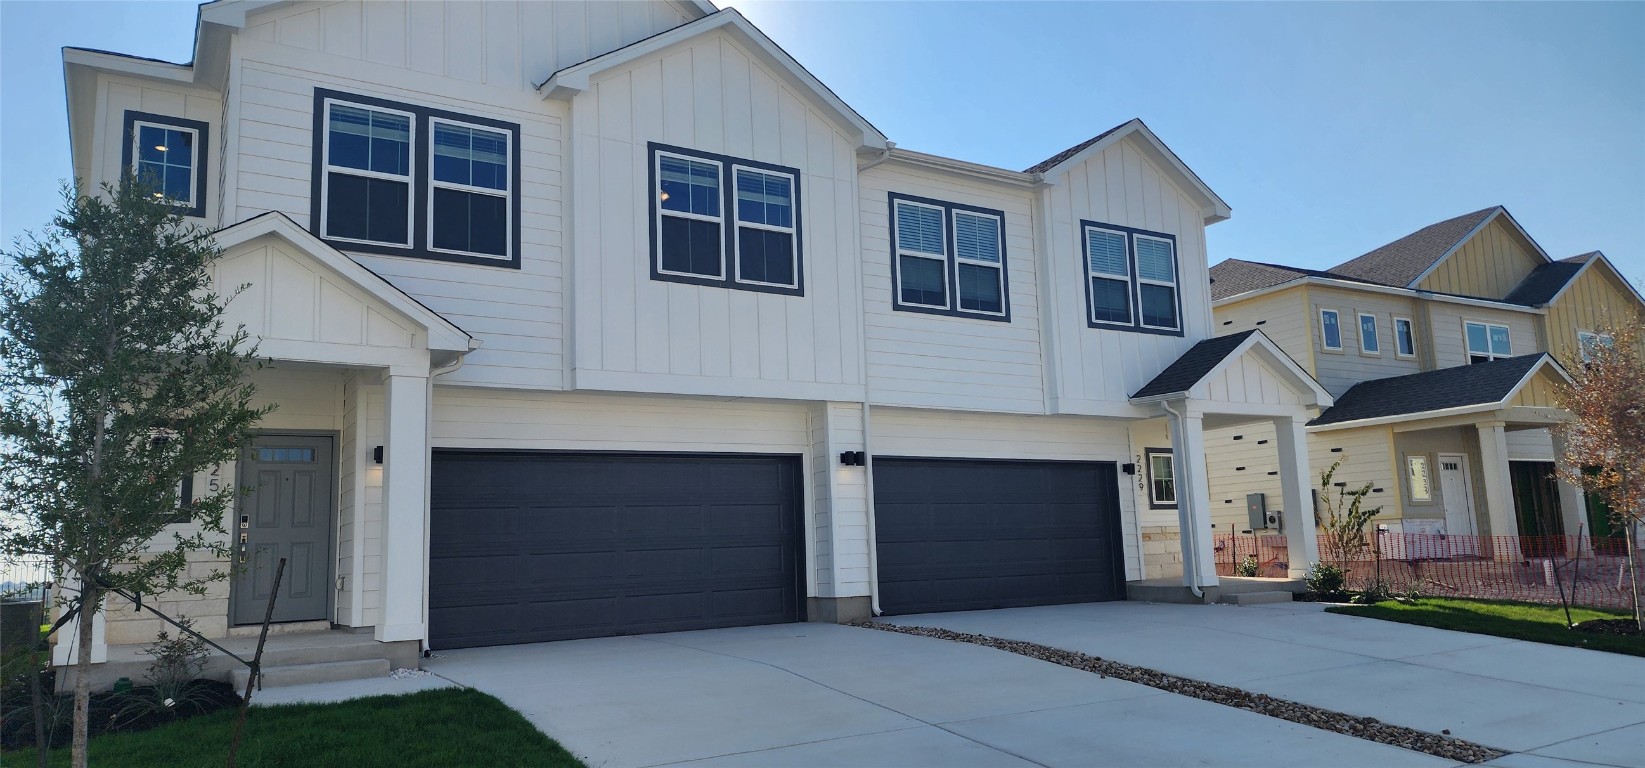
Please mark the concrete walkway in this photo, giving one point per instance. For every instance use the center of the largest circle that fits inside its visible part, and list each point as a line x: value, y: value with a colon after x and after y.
x: 1553, y: 704
x: 824, y: 695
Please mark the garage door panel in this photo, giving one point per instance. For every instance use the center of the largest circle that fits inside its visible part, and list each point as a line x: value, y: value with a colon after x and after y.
x: 527, y: 547
x: 975, y: 534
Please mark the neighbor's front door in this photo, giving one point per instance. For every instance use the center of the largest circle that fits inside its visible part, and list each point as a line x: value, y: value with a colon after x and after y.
x: 1456, y: 493
x: 287, y: 514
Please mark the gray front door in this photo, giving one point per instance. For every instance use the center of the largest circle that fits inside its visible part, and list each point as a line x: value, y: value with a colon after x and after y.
x: 287, y: 514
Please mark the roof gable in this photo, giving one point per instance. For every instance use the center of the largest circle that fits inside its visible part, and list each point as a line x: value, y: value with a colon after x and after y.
x: 1403, y: 262
x: 1192, y: 374
x: 1212, y: 207
x: 577, y: 78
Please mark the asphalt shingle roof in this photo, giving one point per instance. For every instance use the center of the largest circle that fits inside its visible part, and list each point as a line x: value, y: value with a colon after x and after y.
x: 1233, y: 277
x: 1187, y: 370
x: 1539, y: 287
x: 1052, y: 161
x: 1456, y: 387
x: 1402, y: 261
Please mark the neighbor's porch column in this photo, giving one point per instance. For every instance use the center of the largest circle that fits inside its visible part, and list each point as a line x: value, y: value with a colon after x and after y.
x: 1199, y: 565
x: 1301, y: 539
x: 1499, y: 490
x: 1573, y: 506
x: 405, y: 508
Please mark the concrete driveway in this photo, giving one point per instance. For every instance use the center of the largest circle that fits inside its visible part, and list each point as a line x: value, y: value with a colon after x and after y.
x: 1550, y: 703
x: 824, y: 695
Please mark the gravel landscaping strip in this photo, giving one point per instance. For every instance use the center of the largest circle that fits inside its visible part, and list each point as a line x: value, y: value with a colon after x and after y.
x: 1369, y: 728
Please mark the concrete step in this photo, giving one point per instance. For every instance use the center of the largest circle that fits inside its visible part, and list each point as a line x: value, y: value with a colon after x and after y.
x: 300, y: 674
x: 1254, y: 598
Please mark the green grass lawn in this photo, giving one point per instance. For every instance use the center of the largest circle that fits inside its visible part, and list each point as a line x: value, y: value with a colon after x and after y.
x: 1520, y: 621
x: 433, y: 729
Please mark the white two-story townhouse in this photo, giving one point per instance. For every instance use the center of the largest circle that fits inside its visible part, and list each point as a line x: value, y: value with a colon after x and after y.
x: 598, y: 318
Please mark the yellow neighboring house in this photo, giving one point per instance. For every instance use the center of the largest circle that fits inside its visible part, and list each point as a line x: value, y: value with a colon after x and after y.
x: 1441, y: 350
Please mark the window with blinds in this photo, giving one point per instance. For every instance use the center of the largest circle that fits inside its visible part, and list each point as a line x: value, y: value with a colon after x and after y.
x: 948, y: 258
x: 1131, y: 280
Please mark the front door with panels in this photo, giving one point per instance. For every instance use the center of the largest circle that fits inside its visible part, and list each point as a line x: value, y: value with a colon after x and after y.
x: 288, y: 514
x: 1455, y: 491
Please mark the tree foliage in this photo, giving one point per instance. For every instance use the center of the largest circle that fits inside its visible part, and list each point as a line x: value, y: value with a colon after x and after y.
x: 120, y: 379
x: 1344, y: 516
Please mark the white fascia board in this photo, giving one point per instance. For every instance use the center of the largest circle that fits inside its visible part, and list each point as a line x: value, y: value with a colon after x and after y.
x: 1546, y: 361
x: 1305, y: 382
x: 1212, y: 209
x: 443, y: 335
x: 962, y: 167
x: 1301, y: 383
x: 1350, y: 285
x: 577, y: 78
x: 127, y: 65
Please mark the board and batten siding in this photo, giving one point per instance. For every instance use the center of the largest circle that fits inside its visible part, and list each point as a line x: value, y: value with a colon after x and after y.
x: 839, y: 520
x: 1093, y: 370
x: 633, y: 333
x: 1487, y: 265
x: 517, y: 314
x: 925, y: 360
x: 1596, y: 297
x: 1445, y: 322
x: 1339, y: 370
x: 905, y: 432
x: 118, y: 94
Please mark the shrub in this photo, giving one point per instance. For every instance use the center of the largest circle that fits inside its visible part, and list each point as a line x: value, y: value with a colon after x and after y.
x: 1247, y: 567
x: 1325, y: 579
x: 178, y: 662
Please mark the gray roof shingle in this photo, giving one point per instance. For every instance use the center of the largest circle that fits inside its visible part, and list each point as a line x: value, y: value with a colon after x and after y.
x: 1539, y: 287
x: 1456, y: 387
x: 1232, y: 277
x: 1186, y: 371
x: 1402, y: 261
x: 1052, y: 161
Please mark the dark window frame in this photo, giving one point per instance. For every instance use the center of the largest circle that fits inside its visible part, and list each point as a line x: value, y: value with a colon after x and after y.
x: 201, y: 160
x: 950, y: 257
x: 1134, y: 280
x: 729, y: 224
x: 421, y: 180
x: 1148, y: 455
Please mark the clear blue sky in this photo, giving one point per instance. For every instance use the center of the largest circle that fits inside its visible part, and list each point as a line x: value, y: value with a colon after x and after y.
x: 1330, y: 128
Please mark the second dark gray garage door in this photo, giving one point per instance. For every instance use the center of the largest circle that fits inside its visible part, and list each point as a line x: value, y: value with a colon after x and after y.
x: 969, y: 535
x: 529, y: 547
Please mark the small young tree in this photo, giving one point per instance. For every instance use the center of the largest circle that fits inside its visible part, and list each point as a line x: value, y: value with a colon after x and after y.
x: 119, y: 379
x: 1344, y: 516
x: 1605, y: 441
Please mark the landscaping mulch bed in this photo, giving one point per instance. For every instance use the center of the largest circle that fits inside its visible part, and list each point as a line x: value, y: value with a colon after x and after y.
x: 1369, y: 728
x: 1609, y: 627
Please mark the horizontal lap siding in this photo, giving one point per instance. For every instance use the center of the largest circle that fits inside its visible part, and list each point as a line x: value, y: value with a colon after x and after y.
x: 1337, y: 371
x: 1281, y: 316
x: 945, y: 434
x: 472, y: 418
x: 1235, y: 468
x: 935, y: 361
x: 1451, y: 349
x: 1101, y: 368
x: 640, y: 334
x: 1366, y: 458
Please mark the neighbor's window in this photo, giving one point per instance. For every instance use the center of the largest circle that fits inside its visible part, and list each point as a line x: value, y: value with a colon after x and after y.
x: 1330, y: 329
x: 168, y: 154
x: 1368, y: 341
x: 468, y: 202
x: 1589, y: 342
x: 409, y: 180
x: 1417, y: 478
x: 1487, y: 342
x: 1162, y: 479
x: 724, y: 221
x: 1405, y: 340
x: 947, y: 258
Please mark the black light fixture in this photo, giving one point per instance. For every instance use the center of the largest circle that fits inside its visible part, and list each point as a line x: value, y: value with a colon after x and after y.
x: 377, y: 455
x: 1129, y: 469
x: 853, y: 459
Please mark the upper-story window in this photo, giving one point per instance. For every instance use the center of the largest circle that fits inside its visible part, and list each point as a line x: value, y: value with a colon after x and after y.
x: 1330, y: 330
x: 169, y: 155
x: 724, y: 221
x: 407, y: 180
x: 1589, y: 343
x: 1369, y: 342
x: 1405, y: 340
x: 948, y: 258
x: 1131, y: 279
x: 1487, y: 341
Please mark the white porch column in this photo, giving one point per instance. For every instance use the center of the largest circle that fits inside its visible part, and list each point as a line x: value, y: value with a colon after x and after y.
x: 1301, y: 538
x: 405, y: 508
x: 1573, y: 506
x: 1499, y: 490
x: 1199, y: 565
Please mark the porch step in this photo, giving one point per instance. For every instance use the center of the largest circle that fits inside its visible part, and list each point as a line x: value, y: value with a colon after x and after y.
x: 1254, y: 598
x: 325, y: 672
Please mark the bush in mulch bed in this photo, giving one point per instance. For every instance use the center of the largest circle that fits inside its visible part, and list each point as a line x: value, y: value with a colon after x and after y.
x: 1609, y: 627
x: 139, y: 709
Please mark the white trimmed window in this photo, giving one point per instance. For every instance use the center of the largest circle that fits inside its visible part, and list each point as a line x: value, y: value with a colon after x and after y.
x: 1157, y: 283
x: 1405, y: 340
x: 690, y: 225
x: 765, y: 228
x: 1330, y: 330
x: 1162, y: 479
x: 1487, y: 341
x: 163, y: 157
x: 948, y: 259
x: 922, y: 255
x: 1369, y: 342
x: 469, y: 210
x: 1108, y: 270
x: 1589, y: 342
x: 725, y: 222
x: 366, y: 192
x: 979, y: 268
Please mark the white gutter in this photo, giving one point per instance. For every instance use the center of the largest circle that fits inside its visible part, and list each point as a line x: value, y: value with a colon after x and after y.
x: 1190, y: 536
x: 964, y: 168
x: 885, y: 154
x: 1350, y: 285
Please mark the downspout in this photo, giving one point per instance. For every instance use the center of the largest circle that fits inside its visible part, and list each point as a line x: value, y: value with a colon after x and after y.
x: 428, y: 436
x: 868, y: 490
x: 1190, y: 562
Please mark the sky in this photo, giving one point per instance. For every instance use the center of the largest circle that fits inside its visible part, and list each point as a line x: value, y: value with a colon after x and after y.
x: 1329, y: 128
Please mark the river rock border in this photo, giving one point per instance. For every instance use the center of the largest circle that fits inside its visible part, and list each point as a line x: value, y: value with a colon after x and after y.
x: 1368, y: 728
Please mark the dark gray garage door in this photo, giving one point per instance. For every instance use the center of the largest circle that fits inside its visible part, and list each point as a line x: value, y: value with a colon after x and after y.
x: 969, y: 535
x: 528, y: 547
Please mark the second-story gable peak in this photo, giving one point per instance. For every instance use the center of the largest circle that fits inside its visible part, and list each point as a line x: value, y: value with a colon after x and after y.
x: 1213, y: 208
x: 1409, y: 260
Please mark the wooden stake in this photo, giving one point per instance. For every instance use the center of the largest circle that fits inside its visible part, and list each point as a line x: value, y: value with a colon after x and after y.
x: 256, y: 666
